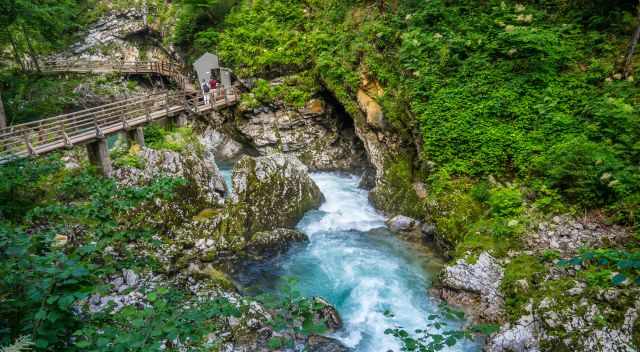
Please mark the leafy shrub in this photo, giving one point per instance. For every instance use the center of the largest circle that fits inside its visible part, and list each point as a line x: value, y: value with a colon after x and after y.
x: 600, y: 265
x: 505, y: 201
x: 586, y: 172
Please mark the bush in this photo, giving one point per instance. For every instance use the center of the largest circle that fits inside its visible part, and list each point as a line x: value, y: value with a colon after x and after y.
x: 584, y: 171
x: 505, y: 202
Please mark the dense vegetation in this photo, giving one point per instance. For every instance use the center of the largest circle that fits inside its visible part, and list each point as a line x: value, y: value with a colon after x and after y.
x: 521, y: 110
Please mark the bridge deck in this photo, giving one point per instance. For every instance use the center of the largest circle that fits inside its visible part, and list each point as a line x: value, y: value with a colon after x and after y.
x: 84, y: 126
x: 80, y: 127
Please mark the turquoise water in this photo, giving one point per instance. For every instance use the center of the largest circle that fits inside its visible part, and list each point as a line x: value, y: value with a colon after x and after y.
x: 356, y: 264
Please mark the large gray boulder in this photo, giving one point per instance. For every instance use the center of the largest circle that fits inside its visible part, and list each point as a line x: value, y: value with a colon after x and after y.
x: 218, y: 145
x: 273, y: 191
x: 475, y: 286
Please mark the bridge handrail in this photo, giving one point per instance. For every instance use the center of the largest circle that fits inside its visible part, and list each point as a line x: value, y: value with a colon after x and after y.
x: 68, y: 129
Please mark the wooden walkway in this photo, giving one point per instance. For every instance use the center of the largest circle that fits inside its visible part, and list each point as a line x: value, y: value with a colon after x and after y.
x: 65, y: 131
x: 174, y: 72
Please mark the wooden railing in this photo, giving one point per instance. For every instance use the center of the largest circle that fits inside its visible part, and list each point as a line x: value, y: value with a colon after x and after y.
x: 171, y: 70
x: 79, y: 127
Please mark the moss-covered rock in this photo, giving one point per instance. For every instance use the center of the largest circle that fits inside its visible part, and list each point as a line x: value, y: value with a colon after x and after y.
x: 274, y: 191
x: 268, y: 243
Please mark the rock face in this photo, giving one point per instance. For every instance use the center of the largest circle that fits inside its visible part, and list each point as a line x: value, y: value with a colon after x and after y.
x: 317, y: 343
x: 475, y: 286
x: 271, y: 193
x: 108, y: 39
x: 219, y: 146
x: 401, y: 223
x: 205, y: 182
x: 275, y: 191
x: 315, y: 134
x: 269, y: 243
x: 567, y: 235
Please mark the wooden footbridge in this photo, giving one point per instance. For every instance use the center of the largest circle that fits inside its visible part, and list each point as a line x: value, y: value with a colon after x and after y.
x: 172, y: 71
x: 91, y: 126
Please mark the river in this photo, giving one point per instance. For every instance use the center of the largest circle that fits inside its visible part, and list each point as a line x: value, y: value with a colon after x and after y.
x: 354, y: 262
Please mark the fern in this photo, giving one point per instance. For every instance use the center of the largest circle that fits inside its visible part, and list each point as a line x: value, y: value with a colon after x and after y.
x: 22, y: 343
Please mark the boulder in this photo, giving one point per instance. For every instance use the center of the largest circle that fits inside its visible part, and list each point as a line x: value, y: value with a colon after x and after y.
x: 328, y: 313
x: 269, y: 243
x: 273, y: 191
x: 204, y: 181
x: 317, y: 343
x: 219, y: 146
x: 475, y: 286
x: 519, y: 337
x: 401, y: 223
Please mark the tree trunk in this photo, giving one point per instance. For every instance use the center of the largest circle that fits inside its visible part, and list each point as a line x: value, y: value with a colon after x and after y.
x: 16, y: 53
x: 632, y: 47
x: 32, y: 53
x: 3, y: 116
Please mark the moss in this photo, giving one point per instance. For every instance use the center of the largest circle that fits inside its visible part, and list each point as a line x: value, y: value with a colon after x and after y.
x: 524, y: 267
x: 396, y: 193
x: 206, y: 213
x: 220, y: 279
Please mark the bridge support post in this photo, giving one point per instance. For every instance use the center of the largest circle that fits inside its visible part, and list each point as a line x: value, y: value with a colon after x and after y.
x: 180, y: 120
x: 136, y: 135
x: 99, y: 156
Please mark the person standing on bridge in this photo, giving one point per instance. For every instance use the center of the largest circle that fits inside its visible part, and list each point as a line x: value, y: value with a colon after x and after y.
x: 206, y: 92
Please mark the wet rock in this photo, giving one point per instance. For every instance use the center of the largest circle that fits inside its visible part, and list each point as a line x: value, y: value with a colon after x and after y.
x: 429, y: 231
x: 274, y: 191
x: 270, y: 243
x: 219, y: 146
x: 401, y: 223
x: 328, y: 313
x: 317, y: 343
x: 466, y: 284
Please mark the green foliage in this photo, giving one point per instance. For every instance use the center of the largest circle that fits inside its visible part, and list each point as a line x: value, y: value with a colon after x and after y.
x: 440, y: 333
x: 174, y: 139
x: 607, y: 267
x: 21, y: 185
x: 522, y: 270
x: 52, y: 251
x: 493, y: 88
x: 21, y: 344
x: 293, y: 311
x: 294, y: 91
x: 165, y: 321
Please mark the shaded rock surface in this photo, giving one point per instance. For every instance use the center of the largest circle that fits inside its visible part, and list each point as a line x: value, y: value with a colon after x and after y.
x: 317, y: 343
x: 219, y: 146
x: 475, y: 286
x: 269, y: 243
x: 316, y: 134
x: 203, y: 177
x: 274, y: 191
x: 113, y: 37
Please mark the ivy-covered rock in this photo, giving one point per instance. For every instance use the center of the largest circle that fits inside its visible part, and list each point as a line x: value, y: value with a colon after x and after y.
x: 273, y: 191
